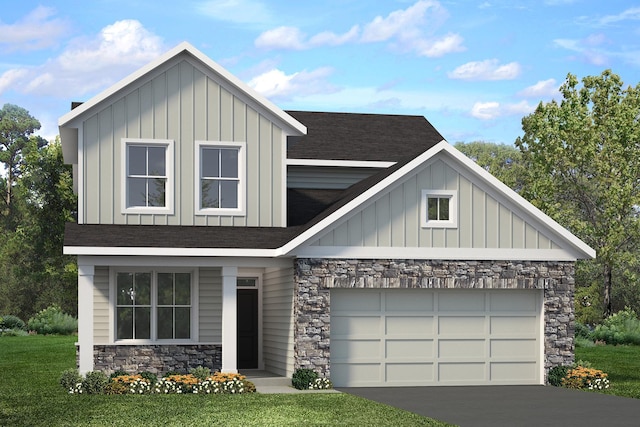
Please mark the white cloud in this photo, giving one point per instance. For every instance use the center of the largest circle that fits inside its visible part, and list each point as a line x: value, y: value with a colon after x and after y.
x: 493, y: 110
x: 632, y: 14
x: 489, y: 69
x: 484, y: 5
x: 236, y: 11
x: 37, y: 30
x: 403, y: 29
x: 588, y: 48
x: 281, y: 38
x: 276, y: 84
x: 542, y: 89
x: 88, y: 65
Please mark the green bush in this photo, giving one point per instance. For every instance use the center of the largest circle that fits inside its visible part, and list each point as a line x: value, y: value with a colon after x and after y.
x: 94, y: 382
x: 556, y: 374
x: 116, y: 374
x: 69, y: 379
x: 622, y: 327
x: 12, y: 322
x: 149, y: 376
x: 302, y: 377
x: 582, y: 330
x: 200, y: 372
x: 584, y: 342
x: 52, y: 320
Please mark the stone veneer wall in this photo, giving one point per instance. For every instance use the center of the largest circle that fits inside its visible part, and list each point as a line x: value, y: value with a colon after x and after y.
x: 315, y: 277
x: 158, y: 359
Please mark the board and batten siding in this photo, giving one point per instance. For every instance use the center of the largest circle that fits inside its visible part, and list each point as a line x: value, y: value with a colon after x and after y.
x: 210, y: 305
x: 393, y: 219
x: 183, y: 103
x: 277, y: 326
x: 101, y: 323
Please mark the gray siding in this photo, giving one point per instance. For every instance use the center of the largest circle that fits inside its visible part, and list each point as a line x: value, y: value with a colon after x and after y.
x: 325, y: 177
x: 183, y: 104
x: 101, y: 323
x: 277, y: 325
x: 393, y: 219
x: 210, y: 306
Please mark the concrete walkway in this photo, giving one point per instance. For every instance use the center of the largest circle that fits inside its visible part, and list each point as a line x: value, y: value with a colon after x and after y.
x: 268, y: 383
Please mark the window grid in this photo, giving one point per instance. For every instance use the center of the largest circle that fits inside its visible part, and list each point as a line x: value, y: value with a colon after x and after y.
x: 220, y: 178
x: 153, y: 179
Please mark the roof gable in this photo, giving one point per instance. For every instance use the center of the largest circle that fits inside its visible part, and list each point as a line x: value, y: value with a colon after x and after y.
x: 190, y: 53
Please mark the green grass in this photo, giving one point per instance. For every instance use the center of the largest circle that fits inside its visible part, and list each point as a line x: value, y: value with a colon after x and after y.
x: 31, y: 396
x: 621, y: 362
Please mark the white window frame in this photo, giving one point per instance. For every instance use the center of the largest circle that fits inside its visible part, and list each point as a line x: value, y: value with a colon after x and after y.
x: 242, y: 178
x: 452, y: 222
x: 113, y: 317
x: 168, y: 209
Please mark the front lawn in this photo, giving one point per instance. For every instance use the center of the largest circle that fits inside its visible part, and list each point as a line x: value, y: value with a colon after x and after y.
x: 31, y: 396
x: 621, y: 362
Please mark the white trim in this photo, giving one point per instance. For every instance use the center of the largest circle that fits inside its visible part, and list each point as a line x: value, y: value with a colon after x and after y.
x: 81, y: 178
x: 479, y: 254
x: 229, y: 320
x: 187, y: 262
x: 216, y: 68
x: 242, y: 178
x: 541, y: 334
x: 86, y: 272
x: 168, y: 209
x: 283, y: 181
x: 167, y: 251
x: 341, y: 163
x: 452, y: 222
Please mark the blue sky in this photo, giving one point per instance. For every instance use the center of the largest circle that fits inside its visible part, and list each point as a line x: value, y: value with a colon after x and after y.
x: 473, y: 68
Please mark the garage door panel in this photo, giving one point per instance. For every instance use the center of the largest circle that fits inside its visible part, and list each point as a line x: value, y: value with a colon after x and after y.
x: 461, y: 325
x: 409, y: 325
x: 457, y: 349
x: 514, y: 325
x: 410, y: 300
x: 513, y: 348
x: 355, y: 350
x: 521, y: 372
x: 435, y: 337
x: 460, y: 301
x: 355, y: 326
x: 462, y: 372
x: 409, y: 373
x: 409, y: 349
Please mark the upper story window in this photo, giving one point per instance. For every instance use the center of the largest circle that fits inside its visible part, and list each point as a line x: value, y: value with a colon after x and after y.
x: 148, y: 184
x: 439, y: 209
x: 220, y: 178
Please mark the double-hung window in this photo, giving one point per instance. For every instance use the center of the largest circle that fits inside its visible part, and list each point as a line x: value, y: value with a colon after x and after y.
x: 220, y: 178
x: 439, y: 209
x: 153, y: 306
x: 148, y: 186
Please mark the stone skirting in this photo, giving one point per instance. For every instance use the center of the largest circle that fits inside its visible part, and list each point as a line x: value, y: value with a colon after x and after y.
x: 315, y: 277
x: 158, y: 359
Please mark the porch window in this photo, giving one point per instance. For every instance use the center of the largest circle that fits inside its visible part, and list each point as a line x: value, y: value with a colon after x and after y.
x: 153, y: 306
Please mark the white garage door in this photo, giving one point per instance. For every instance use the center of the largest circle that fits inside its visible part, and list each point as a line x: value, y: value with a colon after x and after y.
x: 396, y: 337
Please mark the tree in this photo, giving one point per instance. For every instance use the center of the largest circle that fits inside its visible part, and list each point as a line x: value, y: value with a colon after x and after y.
x: 501, y: 160
x: 16, y: 125
x: 583, y: 157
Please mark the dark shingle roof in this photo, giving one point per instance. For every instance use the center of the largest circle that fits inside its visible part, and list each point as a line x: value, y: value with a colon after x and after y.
x: 371, y: 137
x: 331, y: 136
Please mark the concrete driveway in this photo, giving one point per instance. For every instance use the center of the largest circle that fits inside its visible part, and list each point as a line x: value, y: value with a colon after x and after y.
x: 509, y: 405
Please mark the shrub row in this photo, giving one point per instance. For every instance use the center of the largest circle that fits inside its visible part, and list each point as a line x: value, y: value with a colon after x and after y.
x: 578, y: 376
x: 50, y: 321
x: 307, y: 379
x: 198, y: 381
x: 622, y: 327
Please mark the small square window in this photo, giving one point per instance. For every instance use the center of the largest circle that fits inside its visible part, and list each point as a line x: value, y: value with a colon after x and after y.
x: 439, y: 209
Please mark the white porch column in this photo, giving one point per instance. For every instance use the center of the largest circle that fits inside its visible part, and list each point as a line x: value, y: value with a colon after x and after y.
x: 229, y: 319
x: 85, y: 315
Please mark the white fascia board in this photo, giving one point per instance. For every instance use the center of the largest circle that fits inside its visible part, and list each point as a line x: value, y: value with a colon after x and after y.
x: 177, y: 252
x: 295, y: 125
x: 187, y: 262
x: 340, y: 163
x: 478, y: 254
x: 586, y: 251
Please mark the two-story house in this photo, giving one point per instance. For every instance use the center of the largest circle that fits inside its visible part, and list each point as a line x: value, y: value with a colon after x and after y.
x: 216, y: 229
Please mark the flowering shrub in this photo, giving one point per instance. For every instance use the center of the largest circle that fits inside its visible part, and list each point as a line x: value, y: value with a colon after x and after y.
x: 174, y: 384
x: 586, y: 378
x: 320, y: 384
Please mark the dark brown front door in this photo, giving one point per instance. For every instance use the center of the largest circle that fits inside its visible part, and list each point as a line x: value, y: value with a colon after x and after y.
x: 247, y: 328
